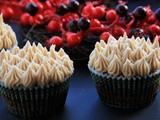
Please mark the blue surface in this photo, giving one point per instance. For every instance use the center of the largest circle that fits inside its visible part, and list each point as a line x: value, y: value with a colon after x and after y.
x: 83, y: 102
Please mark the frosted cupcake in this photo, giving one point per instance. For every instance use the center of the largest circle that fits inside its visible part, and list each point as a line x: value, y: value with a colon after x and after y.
x: 33, y: 81
x: 7, y: 37
x: 126, y: 71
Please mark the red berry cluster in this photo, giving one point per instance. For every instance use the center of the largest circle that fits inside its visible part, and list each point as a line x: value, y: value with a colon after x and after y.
x: 76, y: 19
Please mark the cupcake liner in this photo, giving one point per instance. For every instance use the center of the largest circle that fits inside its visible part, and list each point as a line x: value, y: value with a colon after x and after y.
x: 126, y: 92
x: 35, y: 102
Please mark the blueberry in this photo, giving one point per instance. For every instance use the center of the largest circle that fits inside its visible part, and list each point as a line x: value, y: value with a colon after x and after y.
x: 122, y: 10
x: 72, y: 25
x: 128, y: 18
x: 31, y: 8
x: 83, y: 23
x: 158, y: 14
x: 81, y: 1
x: 136, y: 32
x: 62, y: 9
x: 73, y: 5
x: 140, y: 13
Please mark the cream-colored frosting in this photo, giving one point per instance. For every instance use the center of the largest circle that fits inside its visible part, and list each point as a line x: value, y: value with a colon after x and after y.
x: 34, y: 65
x: 7, y: 37
x: 126, y: 56
x: 128, y: 68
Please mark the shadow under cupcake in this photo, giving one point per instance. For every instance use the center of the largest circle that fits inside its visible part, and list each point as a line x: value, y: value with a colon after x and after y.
x: 34, y: 82
x: 126, y: 71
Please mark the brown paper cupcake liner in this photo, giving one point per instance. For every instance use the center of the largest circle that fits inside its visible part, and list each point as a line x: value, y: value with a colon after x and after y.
x: 126, y: 93
x: 36, y: 102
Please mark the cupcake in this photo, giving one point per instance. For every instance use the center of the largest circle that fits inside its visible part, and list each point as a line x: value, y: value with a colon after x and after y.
x: 126, y: 71
x: 34, y: 81
x: 7, y: 37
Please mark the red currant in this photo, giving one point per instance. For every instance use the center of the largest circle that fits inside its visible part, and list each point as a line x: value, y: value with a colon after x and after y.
x: 154, y: 29
x: 53, y: 26
x: 38, y: 18
x: 111, y: 15
x: 73, y: 39
x: 56, y: 41
x: 7, y: 13
x: 151, y: 19
x: 118, y: 31
x: 88, y: 10
x: 104, y: 36
x: 24, y: 19
x: 99, y: 12
x: 40, y: 6
x: 32, y: 20
x: 96, y: 23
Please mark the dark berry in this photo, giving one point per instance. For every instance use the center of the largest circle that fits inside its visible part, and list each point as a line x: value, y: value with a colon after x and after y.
x: 128, y: 18
x: 83, y: 23
x: 73, y: 5
x: 122, y: 10
x: 140, y: 13
x: 72, y: 26
x: 137, y: 32
x: 81, y: 1
x: 158, y: 14
x: 31, y: 8
x: 42, y: 0
x: 62, y: 9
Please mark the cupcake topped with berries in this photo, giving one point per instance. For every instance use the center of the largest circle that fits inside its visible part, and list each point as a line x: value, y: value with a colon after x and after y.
x: 126, y: 71
x: 7, y: 36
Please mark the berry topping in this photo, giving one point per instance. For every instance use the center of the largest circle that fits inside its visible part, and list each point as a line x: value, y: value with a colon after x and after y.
x: 99, y: 13
x: 72, y: 25
x: 121, y: 10
x: 32, y: 8
x: 140, y: 13
x: 54, y: 41
x: 73, y: 5
x: 53, y: 26
x: 24, y: 19
x: 104, y: 36
x: 111, y: 15
x: 83, y: 23
x: 118, y: 31
x: 155, y: 29
x: 7, y: 13
x: 62, y: 9
x: 158, y: 14
x: 73, y: 39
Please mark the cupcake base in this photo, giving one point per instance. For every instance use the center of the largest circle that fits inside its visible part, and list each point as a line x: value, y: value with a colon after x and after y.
x: 36, y: 102
x: 126, y: 93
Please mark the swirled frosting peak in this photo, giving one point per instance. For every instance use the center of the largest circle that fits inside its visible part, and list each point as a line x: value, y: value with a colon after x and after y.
x: 34, y: 65
x: 126, y: 56
x: 7, y: 36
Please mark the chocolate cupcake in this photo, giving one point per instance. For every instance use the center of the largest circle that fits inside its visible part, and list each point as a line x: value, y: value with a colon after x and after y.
x: 126, y: 71
x: 34, y: 81
x: 7, y: 37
